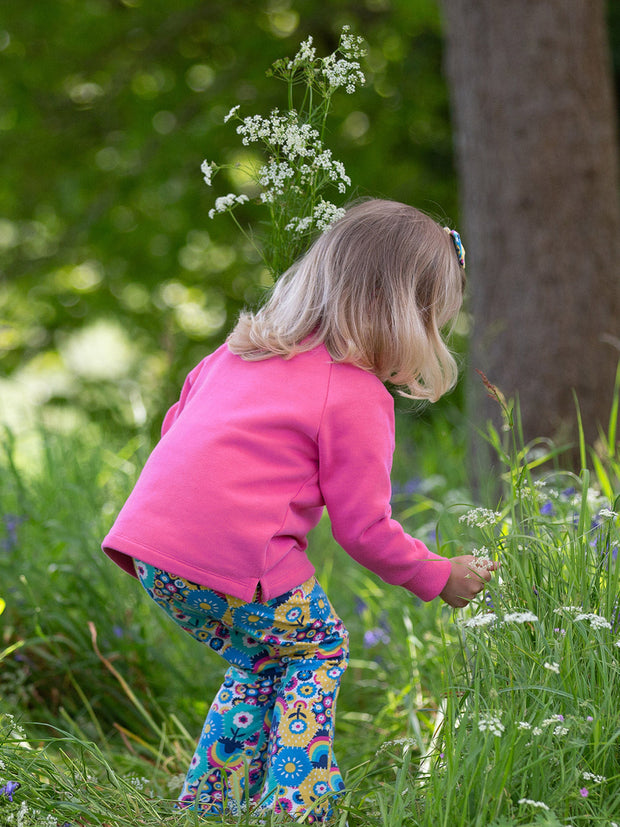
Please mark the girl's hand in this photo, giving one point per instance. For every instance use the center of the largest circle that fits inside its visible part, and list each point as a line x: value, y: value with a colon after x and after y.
x: 468, y: 578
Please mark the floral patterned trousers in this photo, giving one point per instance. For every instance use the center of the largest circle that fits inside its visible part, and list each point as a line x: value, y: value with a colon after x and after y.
x: 271, y: 725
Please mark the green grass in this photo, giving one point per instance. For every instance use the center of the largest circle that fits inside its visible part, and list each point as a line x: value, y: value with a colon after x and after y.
x: 443, y: 719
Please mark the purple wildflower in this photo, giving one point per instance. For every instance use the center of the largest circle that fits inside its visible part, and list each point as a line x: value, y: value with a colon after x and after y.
x: 547, y: 508
x: 9, y: 788
x: 11, y: 524
x: 583, y: 792
x: 374, y: 636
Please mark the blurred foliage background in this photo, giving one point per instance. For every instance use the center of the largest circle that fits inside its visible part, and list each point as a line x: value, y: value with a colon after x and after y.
x: 114, y: 282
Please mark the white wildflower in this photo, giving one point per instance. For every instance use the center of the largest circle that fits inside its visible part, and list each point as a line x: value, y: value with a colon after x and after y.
x: 523, y: 725
x: 326, y: 213
x: 596, y: 779
x: 481, y: 517
x: 282, y: 132
x: 595, y: 621
x: 617, y: 643
x: 342, y: 72
x: 207, y: 171
x: 552, y: 667
x: 569, y: 609
x: 275, y: 175
x: 231, y: 113
x: 352, y: 45
x: 607, y: 512
x: 520, y: 617
x: 227, y: 202
x: 480, y: 620
x: 560, y: 731
x: 536, y: 731
x: 540, y: 804
x: 299, y: 225
x: 488, y: 722
x: 138, y: 783
x: 306, y: 54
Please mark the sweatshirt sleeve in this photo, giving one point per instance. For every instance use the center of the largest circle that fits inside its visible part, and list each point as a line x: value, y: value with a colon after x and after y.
x: 356, y: 447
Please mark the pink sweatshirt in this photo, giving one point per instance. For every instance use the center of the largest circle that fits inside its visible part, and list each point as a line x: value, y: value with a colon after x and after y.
x: 249, y: 456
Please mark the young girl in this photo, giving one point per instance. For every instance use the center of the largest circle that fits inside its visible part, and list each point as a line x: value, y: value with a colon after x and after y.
x: 289, y: 416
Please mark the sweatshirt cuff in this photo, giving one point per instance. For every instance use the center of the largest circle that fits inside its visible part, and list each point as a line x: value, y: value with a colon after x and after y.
x: 431, y: 578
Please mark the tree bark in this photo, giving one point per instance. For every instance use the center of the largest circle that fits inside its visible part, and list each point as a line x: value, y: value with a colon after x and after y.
x: 537, y: 155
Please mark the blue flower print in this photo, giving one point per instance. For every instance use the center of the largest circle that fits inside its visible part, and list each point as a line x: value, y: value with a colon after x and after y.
x: 319, y: 604
x: 305, y: 675
x: 306, y: 690
x: 250, y: 618
x: 291, y: 765
x: 212, y: 604
x: 212, y: 729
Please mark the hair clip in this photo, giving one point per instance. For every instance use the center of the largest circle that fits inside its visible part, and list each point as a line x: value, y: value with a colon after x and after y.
x: 458, y: 246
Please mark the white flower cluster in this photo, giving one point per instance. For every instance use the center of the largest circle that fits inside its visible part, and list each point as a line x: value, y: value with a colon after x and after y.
x: 207, y: 171
x: 342, y: 72
x: 280, y: 132
x: 323, y: 216
x: 596, y: 779
x: 296, y: 153
x: 540, y: 804
x: 337, y: 71
x: 306, y: 54
x: 488, y: 722
x: 481, y: 517
x: 480, y: 620
x: 227, y: 202
x: 298, y: 167
x: 490, y: 617
x: 595, y: 621
x: 556, y: 721
x: 345, y: 71
x: 552, y: 667
x: 519, y: 617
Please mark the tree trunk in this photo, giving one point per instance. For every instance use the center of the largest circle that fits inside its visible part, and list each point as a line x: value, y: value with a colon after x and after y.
x: 537, y: 154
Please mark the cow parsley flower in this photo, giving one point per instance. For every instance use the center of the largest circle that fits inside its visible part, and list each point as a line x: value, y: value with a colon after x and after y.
x: 480, y: 620
x: 226, y: 202
x: 540, y: 804
x: 519, y: 617
x: 481, y: 517
x: 596, y: 779
x: 207, y: 171
x: 306, y: 54
x: 552, y: 667
x: 325, y: 213
x: 595, y: 621
x: 232, y: 112
x: 488, y: 722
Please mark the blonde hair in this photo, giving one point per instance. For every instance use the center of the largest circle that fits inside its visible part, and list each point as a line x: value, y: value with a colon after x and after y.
x: 376, y: 288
